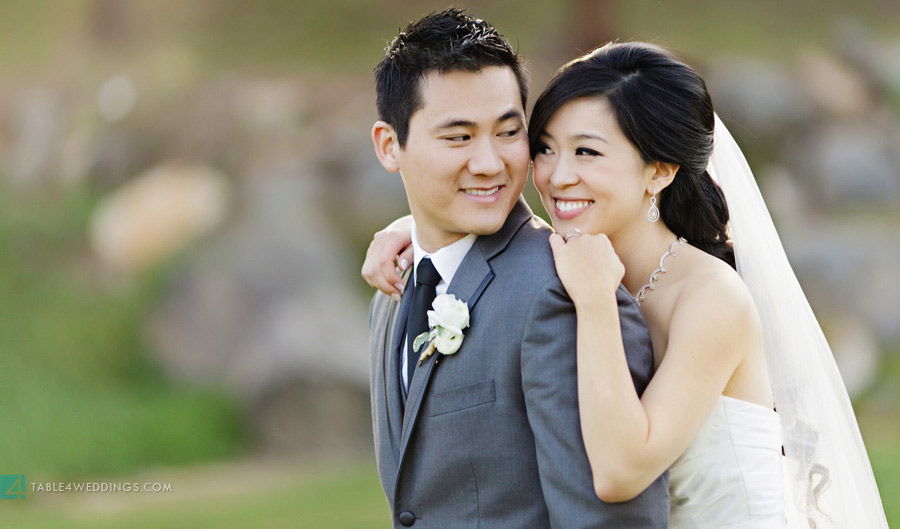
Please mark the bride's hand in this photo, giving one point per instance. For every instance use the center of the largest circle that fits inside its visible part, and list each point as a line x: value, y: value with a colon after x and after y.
x: 389, y: 254
x: 587, y: 265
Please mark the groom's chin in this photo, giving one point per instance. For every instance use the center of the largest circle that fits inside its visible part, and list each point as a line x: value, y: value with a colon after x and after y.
x: 490, y: 222
x: 488, y: 227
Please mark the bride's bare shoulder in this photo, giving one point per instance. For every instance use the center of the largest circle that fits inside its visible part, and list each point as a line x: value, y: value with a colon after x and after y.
x: 712, y: 291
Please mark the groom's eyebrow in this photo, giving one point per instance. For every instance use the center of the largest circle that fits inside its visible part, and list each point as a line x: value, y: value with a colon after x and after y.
x: 511, y: 114
x: 452, y: 123
x: 465, y: 123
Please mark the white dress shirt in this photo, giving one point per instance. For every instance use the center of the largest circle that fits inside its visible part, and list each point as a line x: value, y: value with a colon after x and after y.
x: 445, y: 260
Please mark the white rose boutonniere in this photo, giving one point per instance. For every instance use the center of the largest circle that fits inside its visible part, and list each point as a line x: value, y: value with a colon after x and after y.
x: 447, y: 321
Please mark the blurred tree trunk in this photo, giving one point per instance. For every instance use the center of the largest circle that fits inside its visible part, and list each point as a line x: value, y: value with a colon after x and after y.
x: 592, y: 23
x: 111, y: 21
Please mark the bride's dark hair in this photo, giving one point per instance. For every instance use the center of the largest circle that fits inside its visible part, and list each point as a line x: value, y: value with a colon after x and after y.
x: 664, y: 109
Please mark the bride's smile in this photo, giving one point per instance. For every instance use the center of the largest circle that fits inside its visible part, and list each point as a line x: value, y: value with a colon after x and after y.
x: 589, y: 175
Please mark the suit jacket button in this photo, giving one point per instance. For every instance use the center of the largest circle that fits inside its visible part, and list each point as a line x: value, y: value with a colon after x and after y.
x: 407, y: 519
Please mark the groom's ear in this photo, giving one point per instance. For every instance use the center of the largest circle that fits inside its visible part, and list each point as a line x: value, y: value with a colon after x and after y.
x: 386, y: 145
x: 663, y: 174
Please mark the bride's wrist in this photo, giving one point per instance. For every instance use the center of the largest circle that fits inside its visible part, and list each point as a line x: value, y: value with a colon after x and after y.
x: 596, y: 302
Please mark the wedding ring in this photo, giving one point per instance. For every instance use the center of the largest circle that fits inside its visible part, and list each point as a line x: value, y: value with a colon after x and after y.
x: 576, y: 233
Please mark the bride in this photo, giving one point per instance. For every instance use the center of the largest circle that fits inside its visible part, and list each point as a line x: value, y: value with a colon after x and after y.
x: 626, y: 147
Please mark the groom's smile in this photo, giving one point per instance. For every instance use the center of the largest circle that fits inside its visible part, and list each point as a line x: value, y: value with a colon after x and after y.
x: 466, y: 158
x: 484, y: 195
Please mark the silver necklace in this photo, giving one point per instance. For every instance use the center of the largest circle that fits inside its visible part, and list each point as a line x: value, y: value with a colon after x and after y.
x: 654, y: 277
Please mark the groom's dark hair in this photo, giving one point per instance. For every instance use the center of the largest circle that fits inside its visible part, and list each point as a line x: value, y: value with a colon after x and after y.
x: 445, y: 41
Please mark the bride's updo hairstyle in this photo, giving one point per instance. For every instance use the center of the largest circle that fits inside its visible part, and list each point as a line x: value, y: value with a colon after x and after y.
x: 663, y: 108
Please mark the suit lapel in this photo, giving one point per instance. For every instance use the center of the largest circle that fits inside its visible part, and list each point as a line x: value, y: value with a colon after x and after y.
x: 392, y: 390
x: 469, y: 282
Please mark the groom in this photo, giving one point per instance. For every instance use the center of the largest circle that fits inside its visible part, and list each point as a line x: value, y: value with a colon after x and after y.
x: 487, y: 437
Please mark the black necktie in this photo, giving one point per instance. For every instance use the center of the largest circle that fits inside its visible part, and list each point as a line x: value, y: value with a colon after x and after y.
x: 427, y: 278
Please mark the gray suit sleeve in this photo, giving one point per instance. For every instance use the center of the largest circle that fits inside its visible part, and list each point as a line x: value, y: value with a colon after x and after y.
x: 636, y: 339
x: 551, y: 397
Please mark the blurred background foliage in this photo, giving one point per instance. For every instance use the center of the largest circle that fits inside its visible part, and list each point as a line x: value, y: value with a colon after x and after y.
x: 136, y: 338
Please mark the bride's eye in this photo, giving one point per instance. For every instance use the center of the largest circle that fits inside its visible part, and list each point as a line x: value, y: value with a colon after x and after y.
x: 542, y: 148
x: 584, y: 151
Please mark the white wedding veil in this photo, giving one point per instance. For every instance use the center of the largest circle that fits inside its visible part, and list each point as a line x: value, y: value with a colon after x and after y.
x: 828, y: 477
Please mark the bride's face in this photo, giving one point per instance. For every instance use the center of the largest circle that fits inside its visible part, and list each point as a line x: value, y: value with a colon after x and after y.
x: 589, y: 175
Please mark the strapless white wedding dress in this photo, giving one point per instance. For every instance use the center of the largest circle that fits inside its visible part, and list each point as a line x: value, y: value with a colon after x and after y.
x: 730, y: 475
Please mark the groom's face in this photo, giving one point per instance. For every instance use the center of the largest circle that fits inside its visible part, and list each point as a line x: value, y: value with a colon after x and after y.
x: 466, y: 157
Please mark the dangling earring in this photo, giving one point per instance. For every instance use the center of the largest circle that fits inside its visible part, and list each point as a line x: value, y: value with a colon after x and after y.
x: 653, y: 213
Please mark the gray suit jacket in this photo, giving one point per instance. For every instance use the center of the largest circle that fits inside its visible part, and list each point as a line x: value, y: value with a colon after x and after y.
x: 490, y: 436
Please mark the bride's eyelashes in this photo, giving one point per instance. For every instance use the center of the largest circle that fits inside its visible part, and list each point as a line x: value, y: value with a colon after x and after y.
x: 584, y: 151
x: 543, y: 148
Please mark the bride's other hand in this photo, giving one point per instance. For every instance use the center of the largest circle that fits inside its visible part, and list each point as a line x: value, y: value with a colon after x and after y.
x: 587, y: 265
x: 390, y: 253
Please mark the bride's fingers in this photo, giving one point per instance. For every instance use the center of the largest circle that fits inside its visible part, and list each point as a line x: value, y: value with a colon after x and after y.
x: 379, y: 276
x: 405, y: 259
x: 556, y: 242
x: 369, y: 266
x: 390, y: 281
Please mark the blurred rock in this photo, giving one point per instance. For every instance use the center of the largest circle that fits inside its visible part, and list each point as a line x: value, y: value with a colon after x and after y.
x: 878, y: 61
x: 205, y: 126
x: 836, y: 89
x: 785, y: 198
x: 38, y: 120
x: 116, y: 98
x: 269, y: 310
x: 846, y: 275
x: 855, y: 351
x: 757, y: 99
x: 119, y: 151
x: 848, y: 164
x: 157, y: 214
x: 366, y: 196
x: 889, y: 61
x: 312, y: 415
x: 848, y: 267
x: 75, y: 156
x: 242, y: 123
x: 269, y: 106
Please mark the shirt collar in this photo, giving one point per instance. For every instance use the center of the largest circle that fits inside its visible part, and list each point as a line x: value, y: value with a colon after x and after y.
x: 445, y: 260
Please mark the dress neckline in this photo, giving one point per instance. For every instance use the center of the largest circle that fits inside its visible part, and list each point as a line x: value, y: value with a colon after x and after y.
x: 748, y: 403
